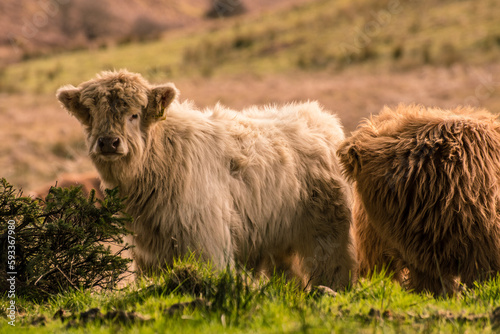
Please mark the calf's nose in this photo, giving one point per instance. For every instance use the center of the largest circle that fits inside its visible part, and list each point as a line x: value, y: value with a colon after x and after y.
x: 108, y: 144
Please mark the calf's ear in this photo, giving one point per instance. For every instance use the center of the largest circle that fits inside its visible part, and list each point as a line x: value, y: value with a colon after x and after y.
x: 69, y: 97
x: 159, y: 98
x: 348, y: 153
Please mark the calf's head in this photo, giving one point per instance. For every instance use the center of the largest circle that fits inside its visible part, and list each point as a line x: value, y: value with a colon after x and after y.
x: 117, y: 111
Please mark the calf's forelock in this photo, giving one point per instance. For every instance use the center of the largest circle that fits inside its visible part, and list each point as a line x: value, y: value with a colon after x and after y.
x: 115, y: 90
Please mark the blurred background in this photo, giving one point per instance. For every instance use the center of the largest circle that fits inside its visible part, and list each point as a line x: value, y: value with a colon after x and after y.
x: 354, y: 57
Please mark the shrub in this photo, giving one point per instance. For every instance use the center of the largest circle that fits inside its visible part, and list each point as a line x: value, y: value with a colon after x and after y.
x: 92, y: 18
x: 145, y: 28
x: 225, y: 8
x: 60, y: 241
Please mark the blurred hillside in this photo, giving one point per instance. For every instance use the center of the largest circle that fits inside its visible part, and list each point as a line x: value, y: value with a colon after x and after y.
x: 323, y: 35
x: 353, y: 57
x: 40, y: 27
x: 35, y: 28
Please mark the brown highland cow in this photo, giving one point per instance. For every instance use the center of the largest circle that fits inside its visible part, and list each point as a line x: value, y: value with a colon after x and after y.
x: 427, y: 195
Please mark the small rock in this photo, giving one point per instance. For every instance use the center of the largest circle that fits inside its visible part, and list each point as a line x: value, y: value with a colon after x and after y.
x: 325, y: 291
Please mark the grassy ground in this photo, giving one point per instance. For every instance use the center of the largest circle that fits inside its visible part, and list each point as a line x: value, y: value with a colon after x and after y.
x: 191, y: 298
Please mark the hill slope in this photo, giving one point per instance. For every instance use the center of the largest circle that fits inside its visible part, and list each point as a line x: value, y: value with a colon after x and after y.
x: 325, y: 35
x: 39, y: 28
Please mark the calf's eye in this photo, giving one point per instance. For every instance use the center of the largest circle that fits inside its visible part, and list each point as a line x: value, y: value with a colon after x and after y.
x: 134, y: 116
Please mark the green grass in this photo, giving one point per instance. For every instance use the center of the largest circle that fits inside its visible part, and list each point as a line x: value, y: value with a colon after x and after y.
x: 324, y: 35
x: 231, y: 301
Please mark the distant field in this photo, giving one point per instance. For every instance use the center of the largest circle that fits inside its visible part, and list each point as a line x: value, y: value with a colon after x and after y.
x: 323, y: 36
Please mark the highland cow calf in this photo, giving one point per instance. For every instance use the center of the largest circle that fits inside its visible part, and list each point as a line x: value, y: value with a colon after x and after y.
x: 427, y: 195
x: 261, y: 187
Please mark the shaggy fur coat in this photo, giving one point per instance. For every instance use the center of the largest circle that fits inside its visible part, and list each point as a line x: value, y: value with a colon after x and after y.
x: 427, y: 195
x: 261, y: 187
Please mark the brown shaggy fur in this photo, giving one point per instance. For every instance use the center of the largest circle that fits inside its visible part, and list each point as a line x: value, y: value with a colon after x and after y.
x: 261, y: 187
x: 427, y: 195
